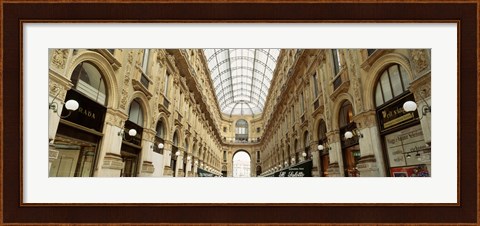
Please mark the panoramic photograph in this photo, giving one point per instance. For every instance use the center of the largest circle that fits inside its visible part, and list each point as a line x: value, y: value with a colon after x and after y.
x: 239, y: 113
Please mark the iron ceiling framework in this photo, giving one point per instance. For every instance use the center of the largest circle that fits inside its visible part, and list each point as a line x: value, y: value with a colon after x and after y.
x: 241, y: 78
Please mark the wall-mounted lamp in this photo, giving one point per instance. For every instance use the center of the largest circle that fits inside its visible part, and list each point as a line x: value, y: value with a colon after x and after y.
x: 321, y: 147
x: 349, y: 134
x: 410, y: 106
x: 131, y: 132
x: 177, y: 153
x: 70, y: 105
x: 286, y: 163
x: 293, y: 160
x: 160, y: 146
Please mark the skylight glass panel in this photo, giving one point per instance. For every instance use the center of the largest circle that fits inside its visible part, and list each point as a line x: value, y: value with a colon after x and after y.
x: 241, y: 78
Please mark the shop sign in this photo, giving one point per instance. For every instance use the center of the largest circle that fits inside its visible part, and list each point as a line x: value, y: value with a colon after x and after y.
x: 303, y: 169
x: 137, y: 139
x: 89, y: 113
x: 400, y: 144
x: 352, y: 141
x: 204, y: 173
x: 394, y: 114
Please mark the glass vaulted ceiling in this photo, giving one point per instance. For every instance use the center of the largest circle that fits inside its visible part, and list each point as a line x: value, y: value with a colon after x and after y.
x: 241, y: 78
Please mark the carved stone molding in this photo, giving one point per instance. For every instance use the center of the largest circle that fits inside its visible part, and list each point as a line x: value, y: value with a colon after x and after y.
x: 59, y: 58
x: 365, y: 119
x: 333, y: 136
x: 420, y: 59
x: 149, y: 135
x: 421, y: 87
x: 58, y: 85
x: 161, y: 57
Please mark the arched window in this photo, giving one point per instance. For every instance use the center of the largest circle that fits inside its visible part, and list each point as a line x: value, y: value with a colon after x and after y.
x: 241, y: 130
x: 175, y: 139
x: 160, y: 130
x: 392, y: 83
x: 306, y: 144
x: 88, y: 80
x: 135, y: 114
x: 322, y: 132
x: 159, y: 137
x: 173, y: 161
x: 346, y: 114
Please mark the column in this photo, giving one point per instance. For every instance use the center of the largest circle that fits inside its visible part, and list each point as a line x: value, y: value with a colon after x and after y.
x: 110, y: 163
x: 335, y: 169
x: 146, y: 167
x: 316, y: 169
x: 167, y: 157
x: 371, y: 162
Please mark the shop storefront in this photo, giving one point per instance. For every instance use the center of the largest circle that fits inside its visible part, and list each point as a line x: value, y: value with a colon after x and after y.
x: 405, y: 150
x: 403, y: 141
x: 323, y: 153
x: 131, y: 143
x: 74, y: 151
x: 350, y: 146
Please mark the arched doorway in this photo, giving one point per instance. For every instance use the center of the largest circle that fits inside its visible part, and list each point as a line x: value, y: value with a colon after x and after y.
x: 241, y: 164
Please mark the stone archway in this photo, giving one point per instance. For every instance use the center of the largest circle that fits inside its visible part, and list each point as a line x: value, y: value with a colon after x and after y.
x: 242, y: 164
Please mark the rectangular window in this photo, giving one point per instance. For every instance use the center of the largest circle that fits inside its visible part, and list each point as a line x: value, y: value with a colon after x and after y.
x: 302, y: 106
x: 315, y: 85
x: 144, y: 80
x: 258, y: 155
x: 145, y: 60
x: 167, y: 76
x: 224, y: 156
x: 336, y: 61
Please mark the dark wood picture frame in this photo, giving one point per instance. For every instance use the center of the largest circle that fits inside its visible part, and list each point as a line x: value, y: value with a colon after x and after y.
x: 14, y: 13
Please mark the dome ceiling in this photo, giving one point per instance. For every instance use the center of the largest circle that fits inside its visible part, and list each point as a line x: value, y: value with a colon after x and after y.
x: 241, y: 78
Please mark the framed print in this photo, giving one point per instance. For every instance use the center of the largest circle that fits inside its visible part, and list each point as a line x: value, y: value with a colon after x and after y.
x: 190, y: 112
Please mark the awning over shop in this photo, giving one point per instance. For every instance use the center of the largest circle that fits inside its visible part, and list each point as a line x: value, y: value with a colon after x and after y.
x: 302, y: 169
x: 204, y: 173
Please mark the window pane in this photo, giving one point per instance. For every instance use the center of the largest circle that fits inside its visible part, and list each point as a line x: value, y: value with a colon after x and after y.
x: 405, y: 78
x: 395, y: 79
x: 145, y: 60
x: 315, y: 85
x: 135, y: 114
x: 378, y: 96
x: 387, y: 90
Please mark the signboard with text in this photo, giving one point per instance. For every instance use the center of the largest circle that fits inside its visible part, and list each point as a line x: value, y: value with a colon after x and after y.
x: 403, y: 143
x: 304, y: 169
x: 89, y: 113
x: 394, y: 115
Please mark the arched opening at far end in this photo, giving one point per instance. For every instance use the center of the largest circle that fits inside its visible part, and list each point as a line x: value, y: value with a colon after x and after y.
x: 241, y: 164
